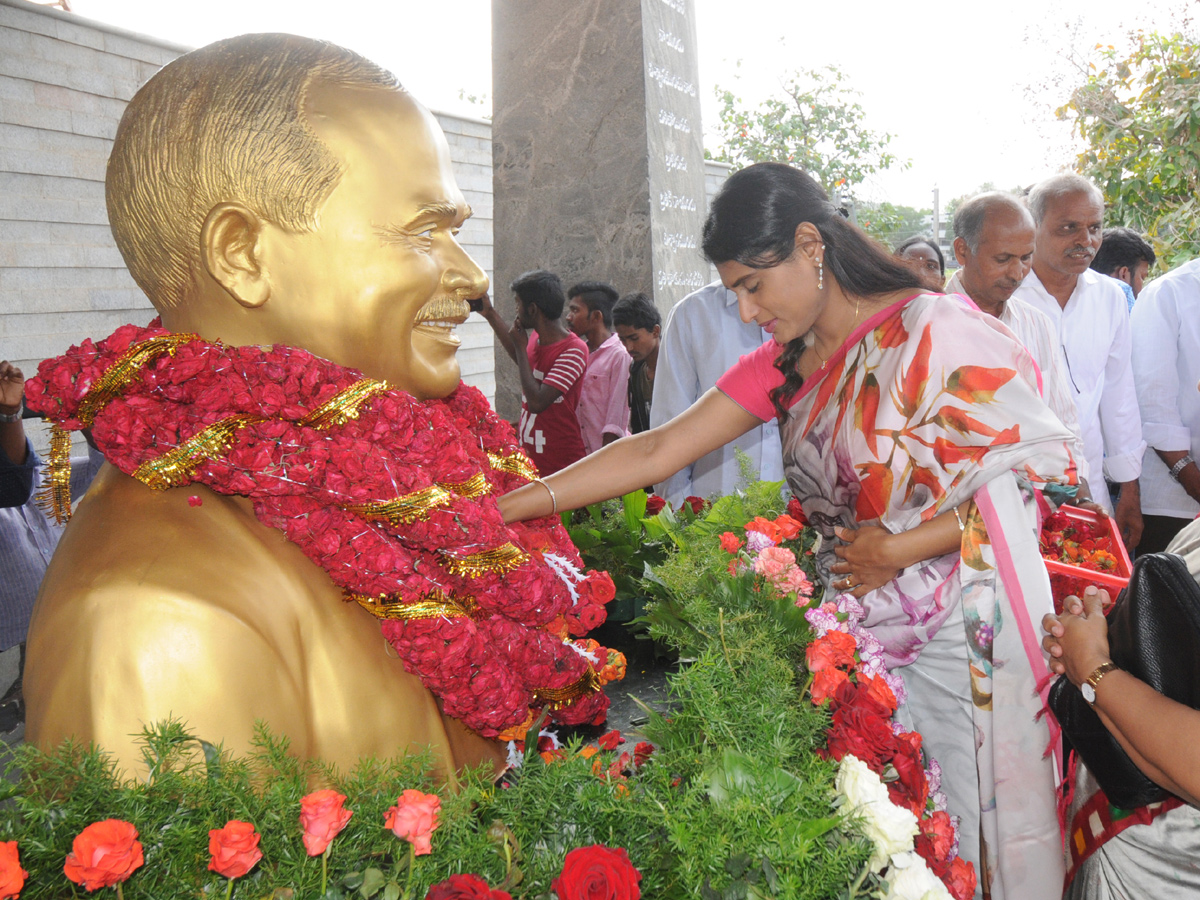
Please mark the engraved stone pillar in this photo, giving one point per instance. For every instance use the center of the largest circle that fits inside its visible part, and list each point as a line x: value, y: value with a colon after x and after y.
x: 596, y: 141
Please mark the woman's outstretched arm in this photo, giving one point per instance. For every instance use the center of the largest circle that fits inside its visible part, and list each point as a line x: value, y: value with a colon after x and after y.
x: 633, y: 462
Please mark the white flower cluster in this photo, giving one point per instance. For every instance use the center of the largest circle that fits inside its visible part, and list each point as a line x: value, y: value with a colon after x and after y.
x: 891, y: 831
x: 889, y: 828
x: 908, y: 878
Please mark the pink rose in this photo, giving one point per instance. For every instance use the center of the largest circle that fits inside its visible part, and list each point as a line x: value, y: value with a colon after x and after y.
x: 414, y: 818
x: 322, y: 817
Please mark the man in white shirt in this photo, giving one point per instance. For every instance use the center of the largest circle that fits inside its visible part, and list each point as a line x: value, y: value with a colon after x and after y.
x: 1092, y: 321
x: 1166, y: 367
x: 993, y: 243
x: 703, y: 337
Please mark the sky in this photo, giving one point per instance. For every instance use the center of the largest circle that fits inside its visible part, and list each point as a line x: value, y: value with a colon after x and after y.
x: 967, y: 90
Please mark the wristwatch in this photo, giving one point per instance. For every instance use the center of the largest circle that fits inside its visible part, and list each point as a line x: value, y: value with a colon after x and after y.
x: 1088, y: 688
x: 9, y: 418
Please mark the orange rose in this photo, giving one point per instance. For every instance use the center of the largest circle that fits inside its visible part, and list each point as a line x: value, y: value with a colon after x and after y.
x: 103, y: 854
x: 825, y: 684
x: 789, y: 528
x: 879, y: 690
x: 764, y: 526
x: 12, y: 876
x: 414, y: 818
x: 234, y: 849
x: 322, y: 818
x: 730, y: 542
x: 834, y: 650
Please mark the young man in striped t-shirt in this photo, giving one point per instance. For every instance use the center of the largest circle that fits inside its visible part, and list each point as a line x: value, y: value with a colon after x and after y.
x: 551, y: 370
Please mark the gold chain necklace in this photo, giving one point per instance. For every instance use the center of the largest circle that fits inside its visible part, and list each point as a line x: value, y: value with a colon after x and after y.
x: 824, y: 359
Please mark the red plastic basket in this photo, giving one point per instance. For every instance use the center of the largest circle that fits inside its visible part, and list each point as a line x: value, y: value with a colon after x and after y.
x: 1067, y: 579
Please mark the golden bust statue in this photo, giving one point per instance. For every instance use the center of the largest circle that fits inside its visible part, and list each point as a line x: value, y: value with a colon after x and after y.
x: 266, y: 189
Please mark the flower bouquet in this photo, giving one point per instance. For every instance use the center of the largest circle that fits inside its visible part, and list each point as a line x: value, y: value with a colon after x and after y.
x: 1082, y: 548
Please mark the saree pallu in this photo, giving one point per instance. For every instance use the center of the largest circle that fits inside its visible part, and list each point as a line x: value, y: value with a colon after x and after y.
x: 928, y: 405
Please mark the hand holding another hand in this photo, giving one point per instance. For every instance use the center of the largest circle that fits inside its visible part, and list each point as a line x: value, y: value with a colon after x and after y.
x: 1077, y: 640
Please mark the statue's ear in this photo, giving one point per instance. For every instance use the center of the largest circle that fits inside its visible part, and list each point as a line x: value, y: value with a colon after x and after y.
x: 230, y: 242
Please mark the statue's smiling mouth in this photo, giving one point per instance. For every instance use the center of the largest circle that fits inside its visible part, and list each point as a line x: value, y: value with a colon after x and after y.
x: 442, y: 314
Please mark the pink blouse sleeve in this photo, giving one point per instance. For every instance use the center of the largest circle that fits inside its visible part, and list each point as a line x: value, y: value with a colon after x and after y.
x: 750, y: 380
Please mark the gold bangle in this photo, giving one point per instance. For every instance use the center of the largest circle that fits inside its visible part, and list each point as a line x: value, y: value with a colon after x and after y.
x: 962, y: 526
x: 553, y: 499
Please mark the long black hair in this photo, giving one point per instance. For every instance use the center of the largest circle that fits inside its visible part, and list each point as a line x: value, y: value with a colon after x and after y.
x: 753, y: 221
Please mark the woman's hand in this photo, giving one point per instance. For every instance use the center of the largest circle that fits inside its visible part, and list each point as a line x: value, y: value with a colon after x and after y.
x: 1077, y: 641
x: 866, y: 561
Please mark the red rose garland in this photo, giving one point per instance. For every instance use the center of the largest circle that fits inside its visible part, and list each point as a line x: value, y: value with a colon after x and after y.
x: 393, y: 497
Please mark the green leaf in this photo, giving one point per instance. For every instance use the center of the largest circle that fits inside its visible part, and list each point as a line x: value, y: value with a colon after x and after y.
x: 391, y: 891
x: 373, y: 881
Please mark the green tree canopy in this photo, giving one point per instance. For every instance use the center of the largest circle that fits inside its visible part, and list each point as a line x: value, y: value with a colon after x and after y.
x: 817, y: 125
x: 1138, y: 111
x: 891, y: 224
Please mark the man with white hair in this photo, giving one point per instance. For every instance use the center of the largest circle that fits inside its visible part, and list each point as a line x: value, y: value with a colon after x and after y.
x: 1092, y: 319
x: 993, y: 243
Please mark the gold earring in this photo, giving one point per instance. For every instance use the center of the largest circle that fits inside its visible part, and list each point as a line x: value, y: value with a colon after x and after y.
x: 821, y: 274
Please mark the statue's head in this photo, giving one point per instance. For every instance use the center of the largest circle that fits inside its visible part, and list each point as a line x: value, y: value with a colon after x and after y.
x: 275, y: 189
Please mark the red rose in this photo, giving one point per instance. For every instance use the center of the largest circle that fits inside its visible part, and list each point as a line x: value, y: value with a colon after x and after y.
x: 12, y: 876
x: 834, y: 650
x: 104, y: 854
x: 696, y: 503
x: 322, y: 818
x: 935, y: 841
x: 465, y: 887
x: 960, y: 881
x: 591, y: 616
x: 610, y: 740
x: 859, y: 696
x: 730, y: 542
x: 654, y: 505
x: 234, y: 849
x: 597, y: 873
x: 603, y: 588
x: 864, y: 734
x: 796, y: 511
x: 642, y: 751
x: 911, y: 789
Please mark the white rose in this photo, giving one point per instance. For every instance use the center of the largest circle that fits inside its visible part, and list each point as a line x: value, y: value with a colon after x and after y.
x: 888, y: 827
x: 910, y: 879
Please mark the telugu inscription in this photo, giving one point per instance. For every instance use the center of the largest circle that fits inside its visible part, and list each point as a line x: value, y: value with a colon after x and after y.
x: 667, y: 78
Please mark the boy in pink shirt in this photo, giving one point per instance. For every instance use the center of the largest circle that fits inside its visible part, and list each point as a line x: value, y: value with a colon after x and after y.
x: 603, y: 409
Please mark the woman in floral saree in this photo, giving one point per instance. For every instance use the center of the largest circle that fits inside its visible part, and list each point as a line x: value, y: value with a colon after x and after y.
x: 916, y: 438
